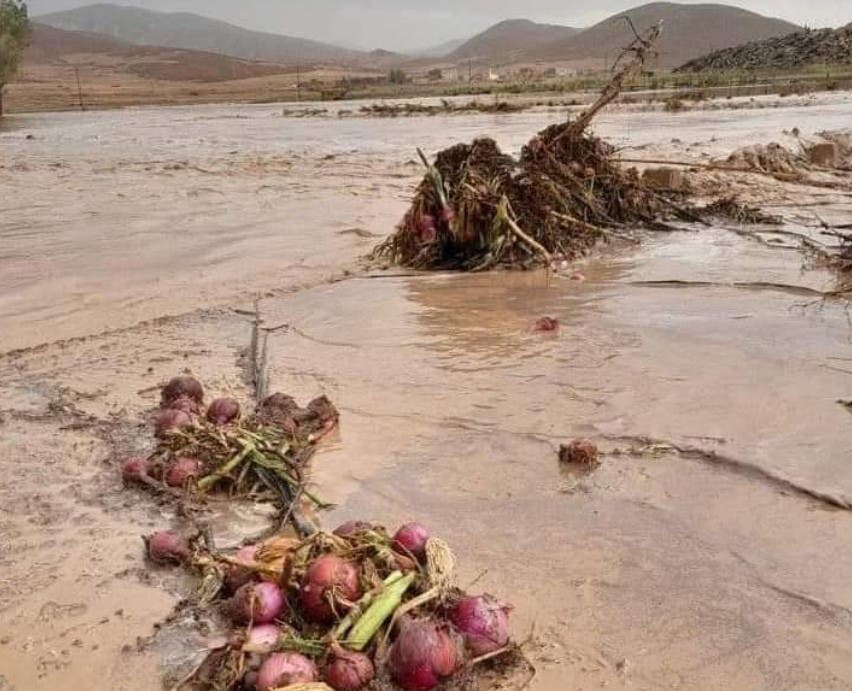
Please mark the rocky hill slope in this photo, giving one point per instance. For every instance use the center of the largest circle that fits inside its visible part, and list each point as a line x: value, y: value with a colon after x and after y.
x: 798, y: 49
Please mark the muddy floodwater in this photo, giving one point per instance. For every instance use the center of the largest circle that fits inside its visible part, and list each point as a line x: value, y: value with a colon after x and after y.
x: 711, y: 550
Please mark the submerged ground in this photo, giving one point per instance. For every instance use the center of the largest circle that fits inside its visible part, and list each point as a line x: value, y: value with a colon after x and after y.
x: 712, y: 548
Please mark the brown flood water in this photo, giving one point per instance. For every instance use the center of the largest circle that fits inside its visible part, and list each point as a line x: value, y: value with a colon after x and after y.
x: 711, y: 550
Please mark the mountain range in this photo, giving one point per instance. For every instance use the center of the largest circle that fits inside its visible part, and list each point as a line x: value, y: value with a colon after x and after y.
x: 689, y: 31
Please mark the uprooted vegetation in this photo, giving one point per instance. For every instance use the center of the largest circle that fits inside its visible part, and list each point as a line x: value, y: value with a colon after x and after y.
x: 477, y: 207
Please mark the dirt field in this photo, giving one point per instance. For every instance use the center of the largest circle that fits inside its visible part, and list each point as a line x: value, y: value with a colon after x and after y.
x: 711, y: 549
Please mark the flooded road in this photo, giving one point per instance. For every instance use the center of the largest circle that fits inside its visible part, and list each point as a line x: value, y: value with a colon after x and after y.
x: 711, y: 549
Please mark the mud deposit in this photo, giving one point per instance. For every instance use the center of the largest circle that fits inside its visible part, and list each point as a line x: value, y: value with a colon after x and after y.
x: 713, y: 547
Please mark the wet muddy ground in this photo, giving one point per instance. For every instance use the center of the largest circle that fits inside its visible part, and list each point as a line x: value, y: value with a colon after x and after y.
x: 710, y: 550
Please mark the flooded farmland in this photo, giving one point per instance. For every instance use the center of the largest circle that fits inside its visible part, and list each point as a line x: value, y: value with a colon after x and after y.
x: 710, y: 550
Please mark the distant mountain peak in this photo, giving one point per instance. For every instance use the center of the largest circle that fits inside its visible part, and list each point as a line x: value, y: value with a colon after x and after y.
x: 193, y: 32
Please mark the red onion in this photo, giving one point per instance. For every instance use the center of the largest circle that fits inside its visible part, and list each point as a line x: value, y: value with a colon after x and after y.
x: 546, y: 324
x: 427, y: 229
x: 182, y: 471
x: 421, y: 656
x: 412, y: 538
x: 483, y: 622
x: 223, y: 410
x: 349, y: 671
x: 186, y: 404
x: 581, y: 452
x: 170, y: 420
x: 329, y: 577
x: 448, y: 214
x: 262, y: 638
x: 283, y: 669
x: 237, y: 576
x: 261, y: 603
x: 135, y: 469
x: 182, y: 386
x: 352, y: 528
x: 167, y: 547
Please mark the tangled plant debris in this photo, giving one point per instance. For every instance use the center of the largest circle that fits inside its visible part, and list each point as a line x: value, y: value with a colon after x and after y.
x: 477, y: 207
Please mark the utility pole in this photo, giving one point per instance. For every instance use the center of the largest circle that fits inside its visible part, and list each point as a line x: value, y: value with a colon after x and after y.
x: 469, y: 72
x: 298, y: 83
x: 79, y: 88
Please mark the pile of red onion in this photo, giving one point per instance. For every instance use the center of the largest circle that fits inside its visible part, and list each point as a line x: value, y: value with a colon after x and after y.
x: 426, y: 649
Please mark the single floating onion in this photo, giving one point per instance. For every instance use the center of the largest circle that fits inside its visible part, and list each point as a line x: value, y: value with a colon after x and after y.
x: 283, y: 669
x: 167, y: 547
x: 422, y: 655
x: 348, y: 671
x: 483, y: 622
x: 260, y: 603
x: 412, y: 537
x: 223, y: 411
x: 328, y: 577
x: 182, y: 386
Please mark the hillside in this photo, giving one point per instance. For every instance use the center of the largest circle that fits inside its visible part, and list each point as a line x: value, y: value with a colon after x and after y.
x: 193, y: 32
x: 51, y: 46
x: 510, y: 39
x: 799, y: 49
x: 688, y: 32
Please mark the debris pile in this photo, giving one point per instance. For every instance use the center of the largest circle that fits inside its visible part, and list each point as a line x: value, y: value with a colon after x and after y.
x: 477, y: 207
x: 356, y: 608
x: 767, y: 158
x: 445, y: 107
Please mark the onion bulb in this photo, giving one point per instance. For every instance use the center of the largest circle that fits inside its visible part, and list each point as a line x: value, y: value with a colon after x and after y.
x: 483, y: 622
x: 411, y: 538
x: 182, y: 471
x: 260, y: 603
x: 135, y: 470
x: 283, y: 669
x: 547, y: 324
x: 169, y: 419
x: 328, y: 578
x: 348, y: 671
x: 182, y: 386
x: 581, y: 452
x: 186, y: 404
x: 422, y: 655
x: 237, y: 576
x: 167, y: 547
x: 223, y: 411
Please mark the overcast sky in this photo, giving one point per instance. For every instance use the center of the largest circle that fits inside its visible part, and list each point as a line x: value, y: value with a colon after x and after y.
x: 409, y: 24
